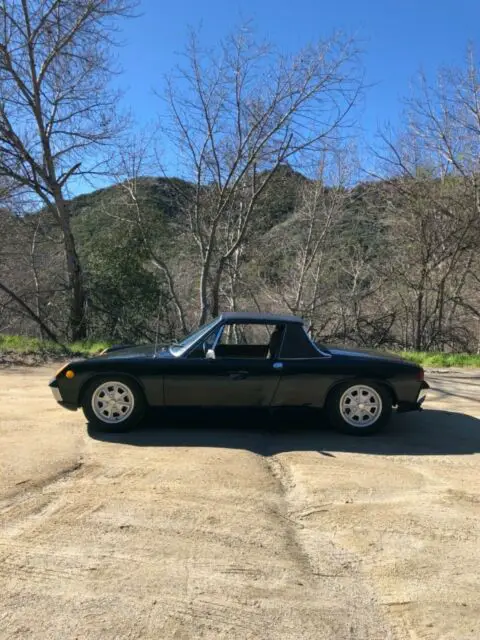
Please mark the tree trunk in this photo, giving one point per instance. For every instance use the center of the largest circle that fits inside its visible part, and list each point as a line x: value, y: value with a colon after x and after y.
x: 78, y: 306
x: 216, y: 288
x: 78, y: 298
x: 203, y: 297
x: 203, y: 288
x: 441, y: 308
x: 38, y: 306
x: 419, y: 319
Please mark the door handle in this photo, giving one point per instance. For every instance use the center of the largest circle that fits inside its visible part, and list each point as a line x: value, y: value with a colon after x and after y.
x: 237, y: 375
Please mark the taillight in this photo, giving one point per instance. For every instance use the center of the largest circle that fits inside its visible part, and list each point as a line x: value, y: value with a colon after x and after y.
x: 421, y: 375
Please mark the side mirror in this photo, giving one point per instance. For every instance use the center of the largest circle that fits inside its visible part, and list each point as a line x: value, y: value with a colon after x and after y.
x: 210, y: 355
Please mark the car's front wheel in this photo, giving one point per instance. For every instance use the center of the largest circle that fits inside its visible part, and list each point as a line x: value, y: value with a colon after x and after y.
x: 359, y: 408
x: 113, y: 404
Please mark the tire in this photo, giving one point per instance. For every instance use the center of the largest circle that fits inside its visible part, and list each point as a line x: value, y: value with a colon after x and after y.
x: 119, y: 412
x: 365, y: 417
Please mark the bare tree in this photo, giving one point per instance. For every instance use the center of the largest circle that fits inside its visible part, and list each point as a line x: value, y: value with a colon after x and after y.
x: 306, y: 237
x: 237, y: 115
x: 56, y: 115
x: 433, y: 171
x: 133, y: 159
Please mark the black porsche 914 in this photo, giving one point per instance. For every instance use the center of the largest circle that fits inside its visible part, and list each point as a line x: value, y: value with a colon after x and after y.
x: 241, y: 360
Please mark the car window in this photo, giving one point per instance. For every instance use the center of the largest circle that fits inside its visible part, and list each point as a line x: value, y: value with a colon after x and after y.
x: 247, y: 340
x: 246, y: 334
x: 180, y: 347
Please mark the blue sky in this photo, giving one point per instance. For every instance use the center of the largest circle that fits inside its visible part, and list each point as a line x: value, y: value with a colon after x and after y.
x: 398, y: 37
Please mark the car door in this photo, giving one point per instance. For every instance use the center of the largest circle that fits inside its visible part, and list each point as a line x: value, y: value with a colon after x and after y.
x: 225, y: 381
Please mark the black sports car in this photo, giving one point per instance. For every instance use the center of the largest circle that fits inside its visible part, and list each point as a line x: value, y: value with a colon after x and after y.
x: 241, y: 360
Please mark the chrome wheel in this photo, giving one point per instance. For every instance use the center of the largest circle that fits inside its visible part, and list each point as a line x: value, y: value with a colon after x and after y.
x: 360, y: 406
x: 112, y: 402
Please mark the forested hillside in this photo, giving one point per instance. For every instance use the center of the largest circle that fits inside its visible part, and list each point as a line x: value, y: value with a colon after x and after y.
x: 383, y: 264
x: 273, y: 209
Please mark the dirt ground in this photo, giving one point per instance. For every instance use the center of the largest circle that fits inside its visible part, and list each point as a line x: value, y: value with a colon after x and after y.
x: 183, y: 530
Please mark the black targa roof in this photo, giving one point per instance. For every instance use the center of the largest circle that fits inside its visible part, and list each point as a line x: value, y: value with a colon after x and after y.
x: 255, y: 316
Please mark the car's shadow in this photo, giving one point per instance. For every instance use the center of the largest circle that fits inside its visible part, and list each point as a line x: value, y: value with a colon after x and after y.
x: 420, y: 433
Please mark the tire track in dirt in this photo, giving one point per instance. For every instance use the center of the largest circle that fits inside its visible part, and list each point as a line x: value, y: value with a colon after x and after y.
x: 28, y: 486
x: 29, y: 507
x: 329, y: 567
x: 422, y: 519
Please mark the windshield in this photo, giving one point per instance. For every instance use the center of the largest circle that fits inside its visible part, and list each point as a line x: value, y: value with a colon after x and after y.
x: 179, y: 348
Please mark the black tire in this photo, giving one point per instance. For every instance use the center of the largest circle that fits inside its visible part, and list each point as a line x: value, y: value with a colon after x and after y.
x: 133, y: 394
x: 337, y: 399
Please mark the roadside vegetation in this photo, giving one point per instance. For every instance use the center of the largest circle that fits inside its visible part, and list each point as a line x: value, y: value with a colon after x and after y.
x: 23, y: 346
x: 432, y: 359
x: 48, y: 349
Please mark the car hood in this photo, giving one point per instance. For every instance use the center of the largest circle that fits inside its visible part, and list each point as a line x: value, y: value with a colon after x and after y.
x: 143, y: 351
x: 366, y: 354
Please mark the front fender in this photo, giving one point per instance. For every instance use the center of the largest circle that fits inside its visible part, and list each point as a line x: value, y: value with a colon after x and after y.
x: 73, y: 390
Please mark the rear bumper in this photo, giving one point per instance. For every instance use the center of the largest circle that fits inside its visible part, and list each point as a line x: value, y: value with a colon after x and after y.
x: 417, y: 405
x: 58, y: 396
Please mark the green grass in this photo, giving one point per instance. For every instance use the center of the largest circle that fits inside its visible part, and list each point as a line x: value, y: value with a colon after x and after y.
x: 88, y: 347
x: 25, y: 345
x: 432, y: 359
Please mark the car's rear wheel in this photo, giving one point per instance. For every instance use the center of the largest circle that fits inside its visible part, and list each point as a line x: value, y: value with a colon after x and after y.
x: 113, y: 404
x: 359, y: 408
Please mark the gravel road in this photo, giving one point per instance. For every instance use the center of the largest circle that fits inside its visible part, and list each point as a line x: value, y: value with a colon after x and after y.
x: 242, y: 530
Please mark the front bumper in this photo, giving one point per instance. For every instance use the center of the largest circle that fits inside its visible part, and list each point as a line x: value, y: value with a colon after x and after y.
x: 53, y: 384
x: 417, y: 405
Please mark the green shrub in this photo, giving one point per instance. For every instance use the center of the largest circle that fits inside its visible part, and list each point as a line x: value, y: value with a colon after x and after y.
x: 25, y: 345
x: 431, y: 359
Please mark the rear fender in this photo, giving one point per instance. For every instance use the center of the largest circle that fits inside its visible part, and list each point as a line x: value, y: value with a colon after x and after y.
x: 382, y: 383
